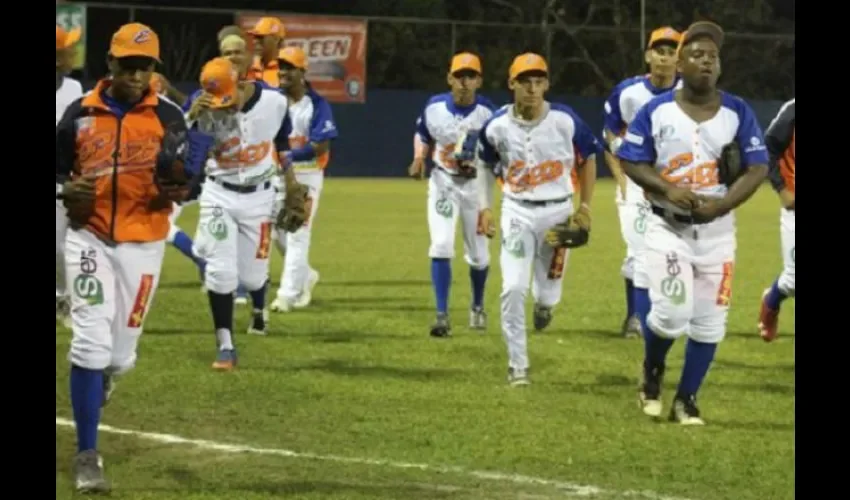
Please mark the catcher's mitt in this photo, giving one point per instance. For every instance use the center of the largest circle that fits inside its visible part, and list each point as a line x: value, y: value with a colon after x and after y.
x: 295, y: 210
x: 78, y: 197
x: 729, y: 163
x: 572, y: 233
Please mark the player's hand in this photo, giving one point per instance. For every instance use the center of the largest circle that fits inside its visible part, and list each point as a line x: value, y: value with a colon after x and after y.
x: 80, y: 189
x: 708, y: 210
x: 486, y: 225
x: 201, y: 103
x: 417, y: 168
x: 683, y: 198
x: 788, y: 200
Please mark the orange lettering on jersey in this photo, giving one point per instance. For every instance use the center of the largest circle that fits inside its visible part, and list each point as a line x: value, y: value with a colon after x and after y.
x: 447, y: 156
x: 137, y: 314
x: 703, y: 175
x: 520, y: 178
x: 724, y: 292
x: 265, y: 244
x: 232, y: 154
x: 96, y: 150
x: 559, y: 261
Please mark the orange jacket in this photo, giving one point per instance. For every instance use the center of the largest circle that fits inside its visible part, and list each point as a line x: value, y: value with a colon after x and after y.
x: 268, y: 74
x: 121, y: 151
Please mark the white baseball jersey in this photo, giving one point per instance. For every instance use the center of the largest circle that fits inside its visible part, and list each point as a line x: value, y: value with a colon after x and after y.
x: 312, y: 121
x: 442, y: 123
x: 620, y: 109
x: 535, y: 159
x: 247, y: 155
x: 68, y: 92
x: 685, y: 152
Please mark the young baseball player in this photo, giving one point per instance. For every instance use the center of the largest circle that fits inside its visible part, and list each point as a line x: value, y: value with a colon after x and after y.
x: 780, y: 139
x: 443, y: 125
x: 268, y: 35
x: 250, y: 126
x: 118, y: 200
x: 67, y: 91
x: 620, y: 109
x: 698, y: 153
x: 534, y: 144
x: 313, y: 129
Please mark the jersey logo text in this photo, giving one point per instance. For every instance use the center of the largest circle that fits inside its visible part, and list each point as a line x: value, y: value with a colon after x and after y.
x: 520, y: 178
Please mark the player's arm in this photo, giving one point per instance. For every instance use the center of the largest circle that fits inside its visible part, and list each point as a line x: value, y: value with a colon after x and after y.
x: 777, y: 138
x: 422, y: 143
x: 612, y: 135
x: 66, y: 147
x: 281, y: 142
x: 588, y: 149
x: 322, y: 131
x: 637, y: 155
x: 485, y: 164
x: 754, y: 160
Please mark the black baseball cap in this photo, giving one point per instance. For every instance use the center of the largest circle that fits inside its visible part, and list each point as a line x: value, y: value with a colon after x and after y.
x: 702, y: 29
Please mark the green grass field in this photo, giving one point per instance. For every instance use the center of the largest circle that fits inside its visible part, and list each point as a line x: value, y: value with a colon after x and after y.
x: 351, y: 398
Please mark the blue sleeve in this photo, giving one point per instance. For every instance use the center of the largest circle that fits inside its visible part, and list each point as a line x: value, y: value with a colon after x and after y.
x: 281, y: 140
x: 613, y: 117
x: 750, y: 137
x: 638, y: 144
x: 190, y: 100
x: 487, y: 103
x: 322, y: 125
x: 422, y: 125
x: 584, y: 140
x: 487, y: 151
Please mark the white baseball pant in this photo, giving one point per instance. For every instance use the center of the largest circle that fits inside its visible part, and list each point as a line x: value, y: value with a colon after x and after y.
x: 690, y: 270
x: 451, y: 198
x: 111, y: 289
x: 787, y: 224
x: 525, y: 256
x: 61, y: 229
x: 234, y: 236
x: 633, y: 215
x: 296, y: 246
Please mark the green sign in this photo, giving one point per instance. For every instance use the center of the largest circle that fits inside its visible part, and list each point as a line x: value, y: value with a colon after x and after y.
x: 70, y: 16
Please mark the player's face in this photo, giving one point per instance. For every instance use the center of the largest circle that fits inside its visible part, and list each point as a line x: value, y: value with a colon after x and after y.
x: 289, y: 75
x: 700, y: 64
x: 661, y: 59
x: 236, y: 51
x: 131, y: 76
x: 529, y: 88
x: 266, y: 47
x: 64, y: 60
x: 464, y: 83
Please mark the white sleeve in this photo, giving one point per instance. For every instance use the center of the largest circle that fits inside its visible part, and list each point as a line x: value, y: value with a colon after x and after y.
x: 486, y: 180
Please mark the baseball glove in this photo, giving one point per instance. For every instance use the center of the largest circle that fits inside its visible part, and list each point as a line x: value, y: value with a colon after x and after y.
x: 78, y: 197
x: 729, y: 164
x: 572, y: 233
x: 464, y: 154
x: 295, y: 210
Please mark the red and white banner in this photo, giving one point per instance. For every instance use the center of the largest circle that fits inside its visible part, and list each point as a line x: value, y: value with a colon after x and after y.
x: 335, y: 48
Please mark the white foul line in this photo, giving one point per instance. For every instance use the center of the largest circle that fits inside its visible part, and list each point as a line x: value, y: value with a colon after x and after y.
x: 566, y: 487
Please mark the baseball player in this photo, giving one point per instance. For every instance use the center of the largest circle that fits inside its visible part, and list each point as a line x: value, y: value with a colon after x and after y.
x: 441, y: 128
x: 620, y: 108
x: 698, y: 153
x: 534, y: 145
x: 780, y: 139
x: 67, y: 91
x: 313, y: 129
x: 250, y: 126
x: 118, y: 145
x: 268, y: 35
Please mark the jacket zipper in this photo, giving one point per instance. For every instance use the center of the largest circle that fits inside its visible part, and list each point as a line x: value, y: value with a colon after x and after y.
x: 115, y: 156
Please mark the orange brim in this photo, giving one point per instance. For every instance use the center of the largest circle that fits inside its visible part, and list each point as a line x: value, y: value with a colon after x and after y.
x: 120, y: 52
x: 290, y: 61
x: 72, y: 38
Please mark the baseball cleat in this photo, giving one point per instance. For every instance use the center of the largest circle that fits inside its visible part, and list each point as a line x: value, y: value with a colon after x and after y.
x: 631, y: 327
x: 441, y: 327
x: 307, y: 294
x: 477, y: 318
x: 685, y: 411
x: 768, y: 320
x: 518, y: 377
x: 88, y: 473
x: 279, y: 305
x: 259, y: 318
x: 542, y: 317
x: 225, y: 361
x: 240, y: 300
x: 63, y: 312
x: 649, y: 397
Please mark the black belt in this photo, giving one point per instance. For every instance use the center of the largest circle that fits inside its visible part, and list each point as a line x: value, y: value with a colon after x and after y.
x: 241, y: 188
x: 667, y: 214
x: 541, y: 203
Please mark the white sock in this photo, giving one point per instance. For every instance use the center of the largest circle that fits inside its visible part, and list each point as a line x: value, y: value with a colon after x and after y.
x: 225, y: 343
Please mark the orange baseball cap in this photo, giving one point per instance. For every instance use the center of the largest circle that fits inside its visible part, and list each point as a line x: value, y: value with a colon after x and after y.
x: 664, y: 34
x: 465, y: 61
x: 268, y: 26
x: 66, y: 39
x: 524, y: 63
x: 295, y: 56
x: 219, y: 78
x: 135, y: 40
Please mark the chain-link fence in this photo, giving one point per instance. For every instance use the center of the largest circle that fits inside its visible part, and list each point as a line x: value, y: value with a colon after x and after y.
x: 406, y: 53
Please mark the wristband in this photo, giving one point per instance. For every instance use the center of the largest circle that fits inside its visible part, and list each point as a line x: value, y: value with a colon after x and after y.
x: 304, y: 153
